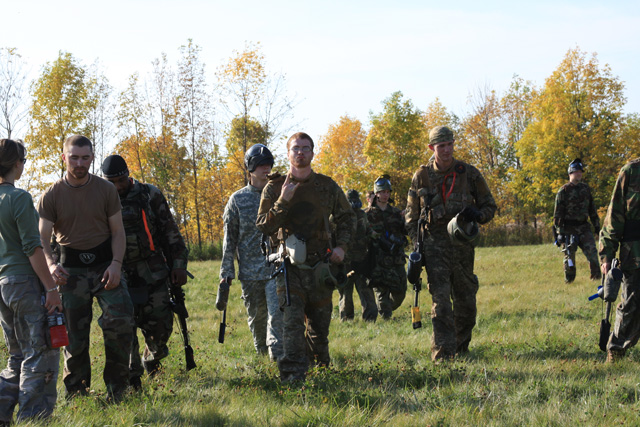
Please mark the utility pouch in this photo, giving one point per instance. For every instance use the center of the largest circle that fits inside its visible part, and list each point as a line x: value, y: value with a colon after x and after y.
x: 612, y: 284
x: 333, y: 278
x: 296, y: 249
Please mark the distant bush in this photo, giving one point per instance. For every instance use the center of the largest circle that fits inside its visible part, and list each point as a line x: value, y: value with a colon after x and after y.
x: 209, y: 251
x: 502, y: 233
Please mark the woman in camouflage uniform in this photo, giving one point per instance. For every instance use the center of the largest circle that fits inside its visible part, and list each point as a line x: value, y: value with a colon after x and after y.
x: 29, y: 380
x: 389, y: 278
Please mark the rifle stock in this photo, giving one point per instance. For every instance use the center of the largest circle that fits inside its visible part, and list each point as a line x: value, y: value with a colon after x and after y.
x: 414, y: 270
x: 283, y: 259
x: 605, y: 329
x: 223, y: 327
x: 179, y: 308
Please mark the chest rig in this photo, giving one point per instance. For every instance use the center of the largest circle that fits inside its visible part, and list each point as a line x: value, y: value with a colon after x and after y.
x: 138, y: 220
x: 443, y: 195
x: 308, y: 216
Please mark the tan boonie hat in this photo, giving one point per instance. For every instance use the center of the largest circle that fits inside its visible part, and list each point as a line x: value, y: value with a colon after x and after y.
x: 440, y: 134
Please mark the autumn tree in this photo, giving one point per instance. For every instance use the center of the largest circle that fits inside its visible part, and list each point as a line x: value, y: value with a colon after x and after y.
x: 100, y: 114
x: 396, y: 143
x: 248, y: 91
x: 13, y: 80
x: 60, y: 108
x: 515, y: 105
x: 341, y: 155
x: 132, y: 109
x: 577, y: 114
x: 436, y: 114
x: 194, y: 117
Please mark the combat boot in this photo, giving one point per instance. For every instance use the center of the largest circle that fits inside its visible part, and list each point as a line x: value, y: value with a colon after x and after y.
x: 152, y: 367
x: 614, y: 356
x: 135, y: 383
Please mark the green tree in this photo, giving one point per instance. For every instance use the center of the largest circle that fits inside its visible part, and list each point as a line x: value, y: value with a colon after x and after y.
x: 396, y: 143
x: 577, y: 114
x: 60, y: 108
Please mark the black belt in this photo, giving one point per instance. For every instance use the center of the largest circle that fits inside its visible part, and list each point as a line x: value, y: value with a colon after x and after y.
x: 631, y: 230
x: 573, y: 223
x: 76, y: 258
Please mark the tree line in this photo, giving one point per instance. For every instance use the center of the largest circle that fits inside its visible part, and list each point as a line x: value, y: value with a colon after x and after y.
x: 187, y: 134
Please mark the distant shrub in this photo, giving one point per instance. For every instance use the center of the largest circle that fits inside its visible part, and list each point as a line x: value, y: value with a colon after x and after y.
x: 208, y: 252
x: 502, y: 233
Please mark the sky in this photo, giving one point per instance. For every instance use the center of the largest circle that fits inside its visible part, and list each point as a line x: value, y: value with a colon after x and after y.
x: 340, y: 57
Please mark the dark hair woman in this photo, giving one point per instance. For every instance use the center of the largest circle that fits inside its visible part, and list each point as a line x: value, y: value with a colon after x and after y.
x: 27, y: 294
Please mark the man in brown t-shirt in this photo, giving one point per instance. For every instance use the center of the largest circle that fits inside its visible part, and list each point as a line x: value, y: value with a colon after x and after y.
x: 83, y: 210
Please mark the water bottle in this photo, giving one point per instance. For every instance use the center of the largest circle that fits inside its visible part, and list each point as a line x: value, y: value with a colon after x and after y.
x: 57, y: 329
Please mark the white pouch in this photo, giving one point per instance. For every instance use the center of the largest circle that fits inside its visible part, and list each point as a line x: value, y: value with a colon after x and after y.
x: 296, y: 249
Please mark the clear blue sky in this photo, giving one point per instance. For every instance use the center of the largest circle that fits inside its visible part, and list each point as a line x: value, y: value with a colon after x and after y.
x: 341, y: 57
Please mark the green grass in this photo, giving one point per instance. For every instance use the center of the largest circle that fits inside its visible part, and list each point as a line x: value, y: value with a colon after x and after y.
x: 534, y: 360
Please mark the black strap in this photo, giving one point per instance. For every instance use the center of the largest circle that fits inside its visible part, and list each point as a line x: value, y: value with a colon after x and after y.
x: 631, y: 230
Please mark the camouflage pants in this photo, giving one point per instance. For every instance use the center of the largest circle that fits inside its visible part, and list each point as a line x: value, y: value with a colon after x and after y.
x: 116, y: 322
x: 29, y: 380
x: 155, y: 320
x: 367, y: 299
x: 453, y: 288
x: 306, y: 323
x: 627, y: 327
x: 264, y: 316
x: 390, y: 286
x: 587, y: 243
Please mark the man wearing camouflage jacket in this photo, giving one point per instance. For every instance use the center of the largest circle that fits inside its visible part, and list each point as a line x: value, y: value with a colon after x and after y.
x: 299, y: 208
x: 242, y: 239
x: 152, y: 240
x: 574, y: 205
x: 442, y: 190
x: 622, y: 230
x: 356, y: 259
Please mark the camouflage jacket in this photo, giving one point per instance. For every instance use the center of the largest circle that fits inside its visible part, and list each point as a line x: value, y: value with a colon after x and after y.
x: 387, y: 225
x: 145, y: 214
x: 574, y: 205
x: 242, y: 238
x: 360, y: 240
x: 622, y: 223
x: 316, y: 201
x: 439, y: 195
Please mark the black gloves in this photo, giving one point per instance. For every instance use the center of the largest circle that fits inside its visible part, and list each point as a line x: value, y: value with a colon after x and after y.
x: 471, y: 213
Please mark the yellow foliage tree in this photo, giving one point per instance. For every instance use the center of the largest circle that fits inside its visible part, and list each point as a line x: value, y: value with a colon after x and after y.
x: 577, y: 114
x: 341, y: 155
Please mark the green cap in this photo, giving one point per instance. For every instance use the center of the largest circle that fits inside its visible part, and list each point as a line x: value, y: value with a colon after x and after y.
x: 440, y: 134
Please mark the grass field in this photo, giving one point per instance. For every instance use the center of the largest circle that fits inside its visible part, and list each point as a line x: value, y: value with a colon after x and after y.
x: 534, y: 360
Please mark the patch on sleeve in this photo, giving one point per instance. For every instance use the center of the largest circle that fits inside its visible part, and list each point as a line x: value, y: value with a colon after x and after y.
x: 460, y: 168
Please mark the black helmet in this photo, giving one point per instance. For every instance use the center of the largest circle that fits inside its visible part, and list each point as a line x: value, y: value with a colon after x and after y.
x: 256, y: 156
x: 383, y: 182
x: 576, y: 165
x: 354, y: 198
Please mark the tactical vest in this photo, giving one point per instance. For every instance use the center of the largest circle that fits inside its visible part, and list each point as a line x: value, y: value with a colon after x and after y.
x: 443, y: 200
x: 138, y: 221
x: 308, y: 216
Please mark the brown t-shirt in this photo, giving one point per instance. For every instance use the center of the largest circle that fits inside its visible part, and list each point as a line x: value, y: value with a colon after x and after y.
x: 80, y: 215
